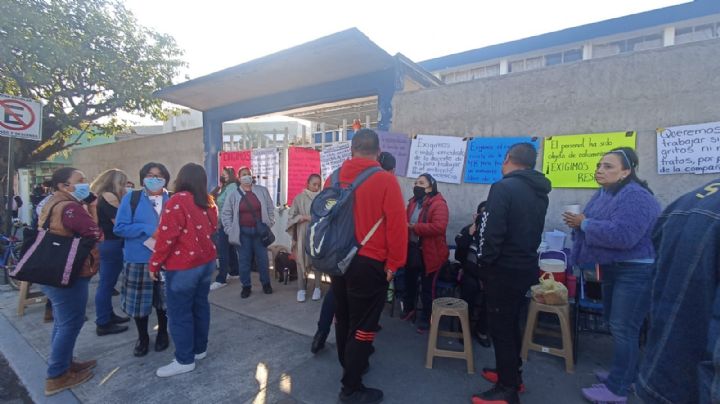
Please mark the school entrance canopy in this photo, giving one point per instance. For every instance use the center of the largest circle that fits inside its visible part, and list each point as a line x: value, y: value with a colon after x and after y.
x: 344, y: 71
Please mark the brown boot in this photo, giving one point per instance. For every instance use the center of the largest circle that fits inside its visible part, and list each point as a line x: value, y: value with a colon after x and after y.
x: 48, y: 317
x: 77, y: 366
x: 68, y: 380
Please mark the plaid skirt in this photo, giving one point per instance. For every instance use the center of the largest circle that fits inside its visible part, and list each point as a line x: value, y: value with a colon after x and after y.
x: 139, y: 294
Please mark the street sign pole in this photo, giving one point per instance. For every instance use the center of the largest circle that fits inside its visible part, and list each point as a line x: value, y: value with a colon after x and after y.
x: 9, y: 193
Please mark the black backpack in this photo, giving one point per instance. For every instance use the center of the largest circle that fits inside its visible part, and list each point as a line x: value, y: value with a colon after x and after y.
x: 135, y: 200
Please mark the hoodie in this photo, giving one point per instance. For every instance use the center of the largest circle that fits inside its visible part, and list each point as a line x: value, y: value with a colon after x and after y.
x: 379, y: 196
x: 512, y: 224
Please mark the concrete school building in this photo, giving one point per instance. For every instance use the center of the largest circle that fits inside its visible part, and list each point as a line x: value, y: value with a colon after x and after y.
x: 634, y: 73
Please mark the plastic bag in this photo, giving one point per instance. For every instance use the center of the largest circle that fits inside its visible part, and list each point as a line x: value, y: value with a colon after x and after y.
x: 549, y: 291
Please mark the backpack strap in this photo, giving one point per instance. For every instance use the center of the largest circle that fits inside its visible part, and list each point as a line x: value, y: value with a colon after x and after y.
x: 367, y: 173
x: 134, y: 201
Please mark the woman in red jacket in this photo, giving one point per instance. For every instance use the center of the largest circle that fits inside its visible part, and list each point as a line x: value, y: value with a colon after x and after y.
x: 185, y: 251
x: 427, y: 214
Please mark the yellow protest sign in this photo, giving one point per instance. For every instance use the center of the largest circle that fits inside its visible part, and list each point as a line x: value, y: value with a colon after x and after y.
x: 569, y: 161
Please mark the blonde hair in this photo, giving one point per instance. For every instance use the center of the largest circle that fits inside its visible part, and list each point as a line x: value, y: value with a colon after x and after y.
x: 112, y: 180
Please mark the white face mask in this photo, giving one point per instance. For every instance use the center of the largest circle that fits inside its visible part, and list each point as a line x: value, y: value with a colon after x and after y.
x: 246, y: 179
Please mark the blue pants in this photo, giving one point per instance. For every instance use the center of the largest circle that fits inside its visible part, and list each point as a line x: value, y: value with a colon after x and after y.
x: 68, y: 305
x: 111, y: 265
x: 327, y: 312
x: 251, y: 248
x: 189, y: 310
x: 626, y: 303
x: 226, y: 255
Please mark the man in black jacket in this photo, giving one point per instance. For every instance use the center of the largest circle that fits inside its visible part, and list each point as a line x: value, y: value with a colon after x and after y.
x: 510, y: 232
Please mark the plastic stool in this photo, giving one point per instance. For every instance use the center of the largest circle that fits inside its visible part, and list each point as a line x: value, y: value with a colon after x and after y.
x: 562, y: 312
x: 450, y: 306
x: 27, y: 298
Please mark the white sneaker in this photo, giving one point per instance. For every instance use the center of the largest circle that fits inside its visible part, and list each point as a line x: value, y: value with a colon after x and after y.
x: 233, y: 276
x: 174, y: 368
x: 217, y: 285
x: 301, y: 296
x: 200, y: 356
x: 317, y: 294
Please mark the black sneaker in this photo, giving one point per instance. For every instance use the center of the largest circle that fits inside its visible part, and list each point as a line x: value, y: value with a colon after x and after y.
x: 366, y: 395
x: 115, y: 319
x: 245, y: 292
x: 110, y: 328
x: 318, y: 342
x: 497, y: 395
x: 141, y: 347
x: 267, y: 289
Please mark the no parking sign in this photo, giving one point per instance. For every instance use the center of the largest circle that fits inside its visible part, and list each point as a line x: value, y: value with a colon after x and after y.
x: 20, y: 118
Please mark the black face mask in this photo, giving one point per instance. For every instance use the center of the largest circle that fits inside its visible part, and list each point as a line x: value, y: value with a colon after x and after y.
x: 418, y: 192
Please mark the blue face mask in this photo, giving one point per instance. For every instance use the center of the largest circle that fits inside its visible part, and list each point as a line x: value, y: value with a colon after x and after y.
x: 154, y: 184
x: 81, y: 191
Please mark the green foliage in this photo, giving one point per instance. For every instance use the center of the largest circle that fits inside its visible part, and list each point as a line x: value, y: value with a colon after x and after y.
x: 86, y: 60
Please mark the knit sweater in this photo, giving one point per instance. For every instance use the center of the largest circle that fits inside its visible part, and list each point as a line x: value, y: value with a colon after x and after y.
x: 617, y: 227
x: 184, y: 235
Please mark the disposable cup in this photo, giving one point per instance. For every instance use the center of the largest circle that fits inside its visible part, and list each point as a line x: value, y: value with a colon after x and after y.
x: 574, y: 209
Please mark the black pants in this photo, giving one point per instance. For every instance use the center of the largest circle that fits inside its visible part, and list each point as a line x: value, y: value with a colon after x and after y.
x: 473, y: 293
x: 327, y: 312
x: 411, y: 290
x: 359, y: 300
x: 505, y: 300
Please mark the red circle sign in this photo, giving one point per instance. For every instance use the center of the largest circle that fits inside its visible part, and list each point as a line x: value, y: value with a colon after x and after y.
x: 13, y: 115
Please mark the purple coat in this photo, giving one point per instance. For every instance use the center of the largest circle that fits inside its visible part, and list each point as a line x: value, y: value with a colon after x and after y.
x: 617, y: 227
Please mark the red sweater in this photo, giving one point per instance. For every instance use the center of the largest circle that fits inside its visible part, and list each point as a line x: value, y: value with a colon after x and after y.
x: 431, y: 228
x: 183, y: 238
x: 378, y: 196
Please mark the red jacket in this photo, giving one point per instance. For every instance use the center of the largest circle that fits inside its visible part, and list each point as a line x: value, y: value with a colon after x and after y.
x: 184, y: 235
x: 431, y: 228
x: 378, y: 196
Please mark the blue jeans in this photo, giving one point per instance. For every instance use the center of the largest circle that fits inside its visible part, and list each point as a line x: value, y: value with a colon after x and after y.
x: 251, y: 247
x: 226, y: 255
x: 626, y: 303
x: 68, y: 305
x: 189, y: 310
x: 111, y: 265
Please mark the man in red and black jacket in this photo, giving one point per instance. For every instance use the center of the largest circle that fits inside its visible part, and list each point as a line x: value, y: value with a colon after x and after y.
x: 360, y: 294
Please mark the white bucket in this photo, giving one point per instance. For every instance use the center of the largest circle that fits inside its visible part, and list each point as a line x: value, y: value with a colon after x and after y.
x: 555, y: 240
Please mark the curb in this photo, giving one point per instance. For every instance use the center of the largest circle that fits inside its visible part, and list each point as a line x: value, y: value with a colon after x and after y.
x: 28, y: 365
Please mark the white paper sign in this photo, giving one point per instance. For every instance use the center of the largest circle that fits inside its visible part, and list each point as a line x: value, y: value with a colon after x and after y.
x: 689, y: 149
x: 332, y: 157
x: 266, y: 169
x: 441, y: 156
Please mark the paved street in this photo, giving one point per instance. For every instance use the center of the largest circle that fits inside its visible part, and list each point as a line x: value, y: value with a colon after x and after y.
x: 259, y: 353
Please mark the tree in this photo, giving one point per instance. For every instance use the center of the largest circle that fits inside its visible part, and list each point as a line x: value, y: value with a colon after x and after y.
x: 85, y: 60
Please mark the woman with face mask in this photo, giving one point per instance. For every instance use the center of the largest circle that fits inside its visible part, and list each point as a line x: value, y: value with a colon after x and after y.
x: 298, y: 220
x: 615, y: 232
x: 240, y: 213
x: 428, y: 215
x: 110, y: 188
x: 72, y: 209
x: 227, y: 256
x: 136, y: 222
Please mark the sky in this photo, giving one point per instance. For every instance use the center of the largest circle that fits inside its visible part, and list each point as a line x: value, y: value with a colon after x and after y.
x: 217, y: 34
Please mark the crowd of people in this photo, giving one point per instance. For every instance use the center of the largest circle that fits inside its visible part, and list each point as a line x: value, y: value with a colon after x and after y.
x: 163, y: 247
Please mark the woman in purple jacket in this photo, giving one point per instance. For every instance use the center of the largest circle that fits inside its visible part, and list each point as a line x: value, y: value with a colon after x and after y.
x: 614, y: 231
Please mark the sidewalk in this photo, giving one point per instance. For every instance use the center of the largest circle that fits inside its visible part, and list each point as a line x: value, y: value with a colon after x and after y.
x: 260, y: 353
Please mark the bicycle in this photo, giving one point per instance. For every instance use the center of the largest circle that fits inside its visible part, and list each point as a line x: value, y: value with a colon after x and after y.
x: 11, y: 254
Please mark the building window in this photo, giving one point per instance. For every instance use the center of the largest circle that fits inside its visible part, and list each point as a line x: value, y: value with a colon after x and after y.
x: 534, y: 63
x: 697, y: 33
x: 553, y: 59
x: 644, y: 42
x: 516, y: 66
x: 572, y: 55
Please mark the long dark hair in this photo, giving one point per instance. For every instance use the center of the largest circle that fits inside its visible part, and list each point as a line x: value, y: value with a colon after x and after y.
x: 61, y: 176
x: 629, y: 160
x: 192, y: 178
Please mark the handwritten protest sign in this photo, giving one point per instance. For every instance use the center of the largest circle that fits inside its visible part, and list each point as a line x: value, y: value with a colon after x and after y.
x: 397, y: 144
x: 266, y: 169
x: 332, y: 157
x: 689, y: 149
x: 441, y: 156
x: 301, y: 163
x: 485, y: 156
x: 570, y: 161
x: 234, y: 159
